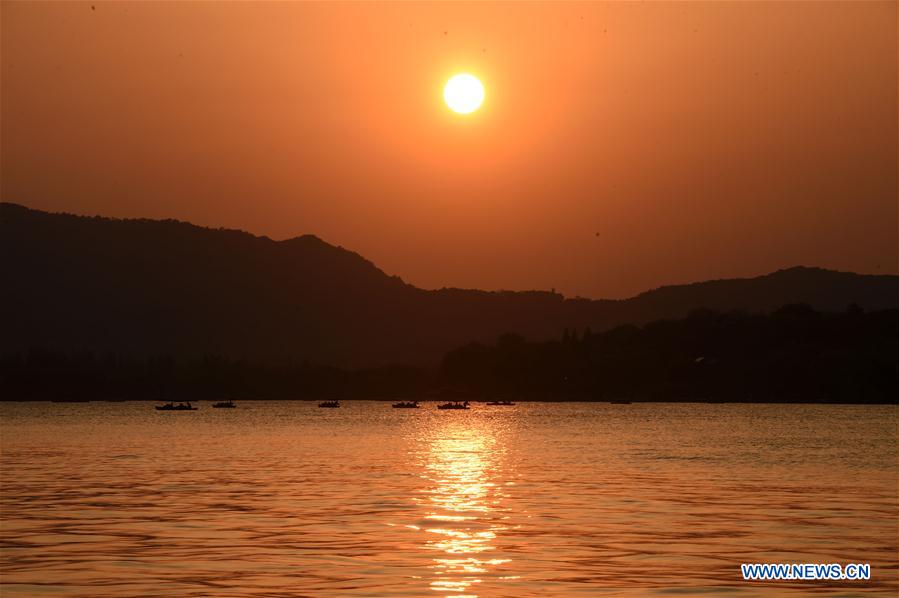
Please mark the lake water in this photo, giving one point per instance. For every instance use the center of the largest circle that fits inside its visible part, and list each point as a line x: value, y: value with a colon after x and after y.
x: 284, y: 498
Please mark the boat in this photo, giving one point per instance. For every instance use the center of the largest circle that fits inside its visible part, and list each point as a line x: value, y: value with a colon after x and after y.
x: 406, y: 405
x: 171, y: 406
x: 329, y: 404
x: 229, y: 404
x: 454, y: 405
x: 501, y: 403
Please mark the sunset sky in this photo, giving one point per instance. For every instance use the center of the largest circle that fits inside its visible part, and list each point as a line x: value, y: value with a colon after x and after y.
x: 620, y: 146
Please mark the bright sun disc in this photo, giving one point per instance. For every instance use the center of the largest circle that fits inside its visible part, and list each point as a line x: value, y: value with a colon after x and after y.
x: 463, y: 93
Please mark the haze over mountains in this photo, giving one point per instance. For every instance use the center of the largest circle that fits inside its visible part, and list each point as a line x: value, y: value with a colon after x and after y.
x: 144, y: 287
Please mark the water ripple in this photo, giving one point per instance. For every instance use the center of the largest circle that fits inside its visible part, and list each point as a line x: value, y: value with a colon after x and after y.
x: 281, y: 499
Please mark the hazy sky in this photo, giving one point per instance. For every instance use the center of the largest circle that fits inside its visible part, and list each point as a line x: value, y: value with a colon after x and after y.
x: 621, y: 146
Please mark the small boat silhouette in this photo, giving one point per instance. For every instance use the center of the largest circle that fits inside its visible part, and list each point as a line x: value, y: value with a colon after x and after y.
x: 406, y: 405
x: 454, y: 405
x: 329, y: 404
x: 171, y: 406
x: 229, y: 404
x: 501, y: 403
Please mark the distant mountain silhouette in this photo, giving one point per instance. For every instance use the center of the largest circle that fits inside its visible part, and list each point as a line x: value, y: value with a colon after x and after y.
x: 145, y: 287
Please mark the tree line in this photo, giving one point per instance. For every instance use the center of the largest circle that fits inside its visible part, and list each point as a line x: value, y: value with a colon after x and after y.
x: 794, y: 354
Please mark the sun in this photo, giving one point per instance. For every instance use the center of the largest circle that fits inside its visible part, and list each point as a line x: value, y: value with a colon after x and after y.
x: 463, y: 93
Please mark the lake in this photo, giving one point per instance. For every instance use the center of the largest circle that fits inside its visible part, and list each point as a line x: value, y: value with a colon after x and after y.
x: 283, y: 498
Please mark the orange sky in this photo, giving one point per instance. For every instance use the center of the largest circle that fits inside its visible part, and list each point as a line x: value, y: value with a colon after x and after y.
x: 621, y: 146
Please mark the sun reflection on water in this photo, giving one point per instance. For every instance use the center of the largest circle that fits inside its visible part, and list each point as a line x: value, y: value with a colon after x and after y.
x: 463, y: 505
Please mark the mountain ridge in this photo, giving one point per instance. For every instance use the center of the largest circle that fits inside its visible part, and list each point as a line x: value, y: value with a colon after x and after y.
x: 166, y: 286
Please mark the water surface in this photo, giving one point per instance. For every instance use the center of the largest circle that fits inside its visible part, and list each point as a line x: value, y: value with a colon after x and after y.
x: 283, y: 498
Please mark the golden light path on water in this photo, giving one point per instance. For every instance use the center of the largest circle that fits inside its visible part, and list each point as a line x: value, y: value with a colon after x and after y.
x: 464, y: 505
x: 461, y: 503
